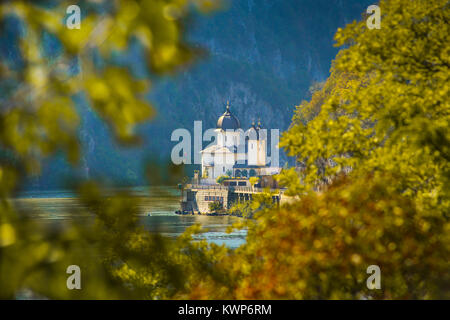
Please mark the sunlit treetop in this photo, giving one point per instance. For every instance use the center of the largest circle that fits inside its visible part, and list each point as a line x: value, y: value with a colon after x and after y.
x: 389, y: 109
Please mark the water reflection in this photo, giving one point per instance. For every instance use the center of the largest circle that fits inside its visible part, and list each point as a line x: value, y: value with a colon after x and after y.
x: 173, y: 225
x: 157, y: 207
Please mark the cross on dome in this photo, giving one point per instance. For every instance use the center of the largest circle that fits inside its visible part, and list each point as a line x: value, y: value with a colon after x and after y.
x: 228, y: 120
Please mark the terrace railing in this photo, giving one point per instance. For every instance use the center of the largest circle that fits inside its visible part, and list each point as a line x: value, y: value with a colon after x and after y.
x: 230, y: 188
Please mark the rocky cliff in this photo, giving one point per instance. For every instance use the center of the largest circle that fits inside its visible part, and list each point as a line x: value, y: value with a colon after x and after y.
x: 263, y: 55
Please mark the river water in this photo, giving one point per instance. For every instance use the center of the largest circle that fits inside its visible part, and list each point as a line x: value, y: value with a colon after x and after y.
x: 156, y: 211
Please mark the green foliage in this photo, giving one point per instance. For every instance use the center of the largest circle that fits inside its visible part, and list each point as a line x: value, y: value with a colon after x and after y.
x: 241, y: 209
x: 38, y: 119
x: 374, y: 139
x: 320, y: 248
x: 382, y: 118
x: 248, y: 209
x: 221, y: 178
x: 253, y: 181
x: 118, y: 258
x: 215, y: 206
x: 390, y: 109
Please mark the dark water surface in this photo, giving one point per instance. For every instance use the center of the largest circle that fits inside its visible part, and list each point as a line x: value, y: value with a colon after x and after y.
x: 157, y: 207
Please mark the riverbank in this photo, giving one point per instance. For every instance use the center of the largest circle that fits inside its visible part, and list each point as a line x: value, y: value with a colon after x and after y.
x: 210, y: 214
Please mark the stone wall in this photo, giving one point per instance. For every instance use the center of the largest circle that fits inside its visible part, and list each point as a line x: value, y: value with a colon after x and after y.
x: 196, y: 199
x: 204, y: 197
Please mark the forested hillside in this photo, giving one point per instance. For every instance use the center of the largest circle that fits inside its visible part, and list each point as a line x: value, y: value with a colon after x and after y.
x: 263, y: 56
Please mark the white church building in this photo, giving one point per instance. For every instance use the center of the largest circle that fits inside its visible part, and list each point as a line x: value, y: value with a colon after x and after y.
x: 235, y: 152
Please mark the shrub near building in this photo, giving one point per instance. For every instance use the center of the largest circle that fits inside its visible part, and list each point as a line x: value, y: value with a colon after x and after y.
x: 221, y: 179
x: 215, y: 207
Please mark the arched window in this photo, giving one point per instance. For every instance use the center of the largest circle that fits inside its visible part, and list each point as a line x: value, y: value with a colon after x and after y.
x: 244, y: 173
x: 237, y: 173
x: 252, y: 173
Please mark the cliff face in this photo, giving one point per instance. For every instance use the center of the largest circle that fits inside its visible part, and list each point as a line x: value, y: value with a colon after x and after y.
x: 262, y: 56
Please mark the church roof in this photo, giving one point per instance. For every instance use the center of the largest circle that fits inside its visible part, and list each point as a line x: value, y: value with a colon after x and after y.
x: 255, y: 132
x: 228, y: 121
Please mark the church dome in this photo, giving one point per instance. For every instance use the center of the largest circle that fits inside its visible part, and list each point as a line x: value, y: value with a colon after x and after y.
x: 228, y: 121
